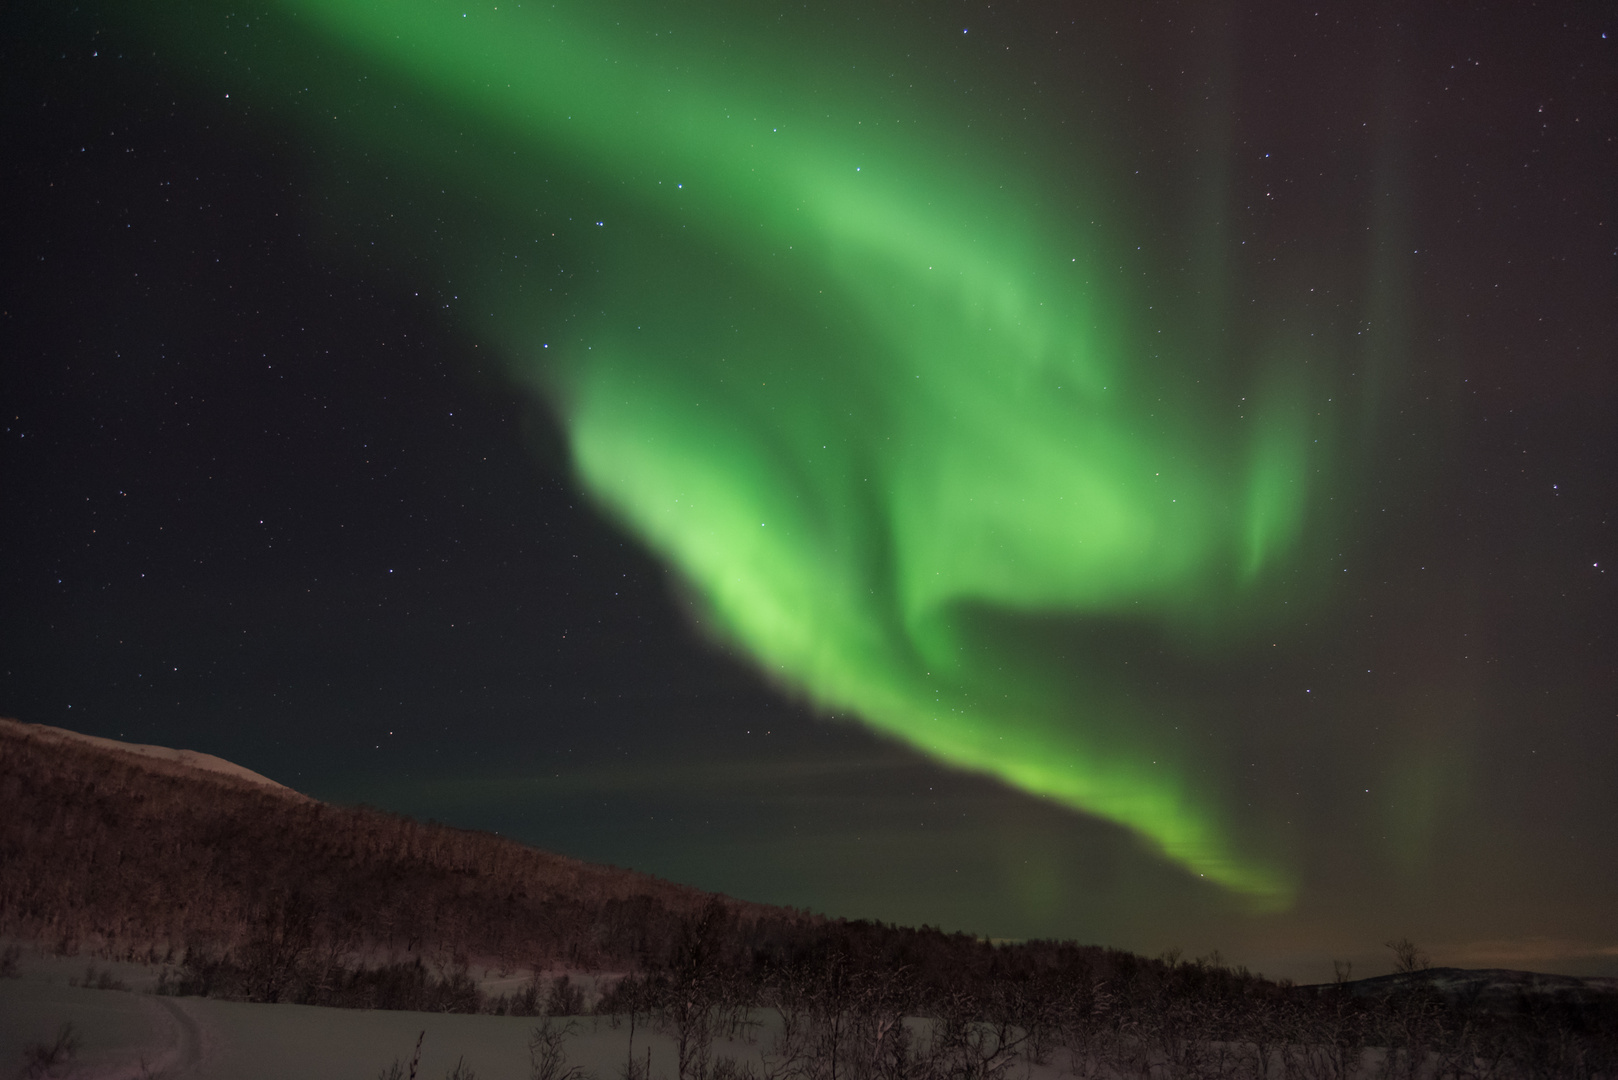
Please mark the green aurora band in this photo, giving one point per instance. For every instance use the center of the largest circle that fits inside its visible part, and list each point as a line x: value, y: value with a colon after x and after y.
x: 872, y: 394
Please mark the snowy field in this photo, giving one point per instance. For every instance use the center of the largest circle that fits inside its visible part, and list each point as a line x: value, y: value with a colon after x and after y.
x: 133, y: 1033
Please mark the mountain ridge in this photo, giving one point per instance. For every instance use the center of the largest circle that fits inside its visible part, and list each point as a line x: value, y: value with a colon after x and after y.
x: 190, y: 759
x: 470, y: 890
x: 129, y: 849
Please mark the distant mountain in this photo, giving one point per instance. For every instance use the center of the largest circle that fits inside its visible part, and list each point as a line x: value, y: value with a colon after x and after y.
x: 189, y: 760
x: 135, y: 849
x: 1490, y: 989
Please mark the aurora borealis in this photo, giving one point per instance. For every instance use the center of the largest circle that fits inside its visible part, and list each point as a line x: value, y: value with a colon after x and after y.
x: 1069, y: 400
x: 851, y: 390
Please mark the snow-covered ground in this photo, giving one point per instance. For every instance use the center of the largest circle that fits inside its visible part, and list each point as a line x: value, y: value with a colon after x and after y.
x: 133, y: 1033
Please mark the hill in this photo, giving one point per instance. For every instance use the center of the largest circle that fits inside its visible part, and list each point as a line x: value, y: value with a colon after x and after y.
x: 249, y: 891
x: 155, y: 758
x: 124, y: 849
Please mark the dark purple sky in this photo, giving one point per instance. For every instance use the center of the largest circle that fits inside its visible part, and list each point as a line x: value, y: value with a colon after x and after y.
x: 267, y: 500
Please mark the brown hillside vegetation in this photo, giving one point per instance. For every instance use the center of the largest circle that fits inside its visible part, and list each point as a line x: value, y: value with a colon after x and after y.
x: 155, y: 758
x: 114, y: 850
x: 259, y: 894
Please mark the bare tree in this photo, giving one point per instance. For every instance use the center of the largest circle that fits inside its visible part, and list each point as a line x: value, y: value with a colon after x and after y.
x: 881, y: 1041
x: 1408, y: 958
x: 547, y: 1052
x: 1331, y: 1045
x: 976, y: 1038
x: 690, y: 991
x: 787, y: 1057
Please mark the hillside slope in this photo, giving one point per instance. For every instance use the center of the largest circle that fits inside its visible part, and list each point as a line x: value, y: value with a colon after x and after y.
x: 156, y: 758
x: 274, y: 897
x: 125, y: 848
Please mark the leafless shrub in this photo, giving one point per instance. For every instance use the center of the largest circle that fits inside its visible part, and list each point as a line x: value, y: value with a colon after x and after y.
x: 454, y: 991
x: 975, y: 1039
x: 1267, y: 1030
x: 461, y: 1071
x: 1329, y: 1043
x: 41, y: 1060
x: 94, y: 980
x: 564, y: 999
x: 547, y: 1052
x: 8, y: 961
x: 727, y: 1068
x: 525, y: 1002
x: 787, y: 1056
x: 401, y: 1071
x: 1410, y: 1028
x: 633, y: 1069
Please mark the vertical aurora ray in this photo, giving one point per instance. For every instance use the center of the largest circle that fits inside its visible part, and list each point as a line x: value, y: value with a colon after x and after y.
x: 870, y: 395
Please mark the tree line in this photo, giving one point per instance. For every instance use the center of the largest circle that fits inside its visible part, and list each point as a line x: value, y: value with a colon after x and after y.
x: 101, y: 851
x: 252, y: 895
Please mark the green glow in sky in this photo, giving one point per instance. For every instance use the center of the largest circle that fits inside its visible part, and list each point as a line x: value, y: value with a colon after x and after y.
x: 873, y: 390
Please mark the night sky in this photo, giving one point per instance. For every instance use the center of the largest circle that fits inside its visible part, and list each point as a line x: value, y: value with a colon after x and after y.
x: 1135, y: 473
